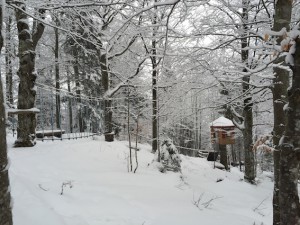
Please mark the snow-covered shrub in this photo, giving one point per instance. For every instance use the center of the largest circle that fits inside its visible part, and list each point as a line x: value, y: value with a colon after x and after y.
x: 169, y: 157
x: 263, y: 148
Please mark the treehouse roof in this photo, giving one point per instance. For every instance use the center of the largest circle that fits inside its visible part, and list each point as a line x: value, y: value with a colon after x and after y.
x: 222, y: 122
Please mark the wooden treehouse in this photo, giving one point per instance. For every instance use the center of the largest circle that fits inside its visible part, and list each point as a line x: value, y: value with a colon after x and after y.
x: 222, y: 131
x: 222, y: 134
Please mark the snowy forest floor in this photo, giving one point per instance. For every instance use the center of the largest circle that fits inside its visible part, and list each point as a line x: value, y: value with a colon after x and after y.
x: 103, y: 192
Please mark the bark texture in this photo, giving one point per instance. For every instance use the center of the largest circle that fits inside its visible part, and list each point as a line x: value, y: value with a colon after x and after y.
x: 248, y: 141
x: 154, y: 104
x: 27, y: 75
x: 223, y: 156
x: 78, y: 86
x: 154, y: 62
x: 57, y: 77
x: 247, y: 110
x: 290, y: 151
x: 70, y: 103
x: 8, y: 61
x: 5, y: 198
x: 107, y: 102
x: 282, y: 18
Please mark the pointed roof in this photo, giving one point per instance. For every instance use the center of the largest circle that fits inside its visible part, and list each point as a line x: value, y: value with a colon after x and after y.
x: 222, y: 122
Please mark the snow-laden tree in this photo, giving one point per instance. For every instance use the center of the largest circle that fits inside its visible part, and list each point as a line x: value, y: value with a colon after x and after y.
x: 290, y: 143
x: 27, y: 91
x: 169, y: 157
x: 9, y: 56
x: 282, y: 19
x: 101, y: 42
x: 237, y: 35
x: 5, y: 198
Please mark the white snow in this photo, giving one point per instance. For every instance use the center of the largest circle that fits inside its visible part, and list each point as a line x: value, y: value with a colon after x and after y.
x: 282, y: 32
x: 103, y: 192
x: 222, y: 122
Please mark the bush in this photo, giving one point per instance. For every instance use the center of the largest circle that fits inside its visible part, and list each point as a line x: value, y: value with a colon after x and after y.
x: 169, y: 157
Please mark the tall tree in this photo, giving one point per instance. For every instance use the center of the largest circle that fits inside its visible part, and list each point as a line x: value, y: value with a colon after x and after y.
x: 77, y: 77
x: 290, y: 145
x: 8, y: 60
x: 247, y: 108
x: 155, y: 63
x: 27, y: 74
x: 5, y: 199
x: 282, y: 19
x: 244, y: 121
x: 57, y: 74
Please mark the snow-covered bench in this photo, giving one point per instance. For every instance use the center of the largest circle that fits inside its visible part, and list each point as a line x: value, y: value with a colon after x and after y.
x: 22, y: 111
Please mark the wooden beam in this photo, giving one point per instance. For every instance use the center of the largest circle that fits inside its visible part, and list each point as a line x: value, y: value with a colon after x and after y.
x: 22, y: 111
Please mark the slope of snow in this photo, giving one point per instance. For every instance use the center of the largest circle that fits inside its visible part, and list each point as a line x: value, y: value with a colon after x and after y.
x: 103, y: 192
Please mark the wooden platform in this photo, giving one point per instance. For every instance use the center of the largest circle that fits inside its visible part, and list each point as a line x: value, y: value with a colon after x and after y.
x: 50, y: 133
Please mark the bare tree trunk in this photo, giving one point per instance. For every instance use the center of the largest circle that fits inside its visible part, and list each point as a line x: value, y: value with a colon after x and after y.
x: 282, y: 18
x: 200, y: 125
x: 128, y: 129
x: 154, y: 106
x: 5, y: 198
x: 247, y: 134
x: 247, y: 110
x: 70, y: 103
x: 195, y: 125
x: 27, y: 75
x: 136, y: 142
x: 57, y: 77
x: 154, y: 87
x: 8, y: 59
x: 107, y: 102
x: 107, y: 116
x: 290, y: 154
x: 223, y: 156
x: 78, y: 90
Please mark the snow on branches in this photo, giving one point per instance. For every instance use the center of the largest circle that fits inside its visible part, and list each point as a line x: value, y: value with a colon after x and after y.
x: 287, y: 44
x: 169, y: 157
x: 263, y: 145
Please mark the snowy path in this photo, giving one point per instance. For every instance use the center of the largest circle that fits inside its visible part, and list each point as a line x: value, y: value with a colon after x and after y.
x: 104, y: 192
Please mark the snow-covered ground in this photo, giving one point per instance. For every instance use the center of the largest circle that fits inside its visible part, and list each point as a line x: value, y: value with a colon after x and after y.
x: 103, y: 192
